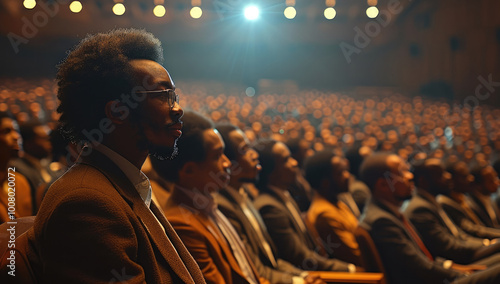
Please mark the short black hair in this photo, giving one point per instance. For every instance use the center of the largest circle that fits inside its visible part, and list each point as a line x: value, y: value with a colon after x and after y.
x: 373, y: 168
x: 191, y: 146
x: 4, y: 114
x: 97, y: 71
x: 267, y: 160
x: 420, y: 170
x: 318, y: 167
x: 231, y: 151
x: 477, y: 170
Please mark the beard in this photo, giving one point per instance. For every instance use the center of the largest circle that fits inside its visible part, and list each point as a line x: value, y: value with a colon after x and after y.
x: 163, y: 152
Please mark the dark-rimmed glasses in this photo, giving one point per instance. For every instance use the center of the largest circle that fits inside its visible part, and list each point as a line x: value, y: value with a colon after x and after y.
x: 167, y: 95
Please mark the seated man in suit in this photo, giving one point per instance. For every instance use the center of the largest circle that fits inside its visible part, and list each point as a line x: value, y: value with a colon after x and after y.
x: 282, y: 216
x: 485, y: 184
x: 201, y: 169
x: 440, y: 235
x: 404, y: 255
x: 235, y: 204
x: 97, y: 223
x: 457, y: 207
x: 331, y: 218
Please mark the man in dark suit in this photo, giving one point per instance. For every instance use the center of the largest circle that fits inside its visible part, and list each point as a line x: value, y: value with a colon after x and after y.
x: 97, y: 223
x: 457, y: 207
x: 200, y: 170
x: 282, y: 216
x: 440, y: 235
x: 235, y: 204
x: 404, y: 255
x: 485, y: 183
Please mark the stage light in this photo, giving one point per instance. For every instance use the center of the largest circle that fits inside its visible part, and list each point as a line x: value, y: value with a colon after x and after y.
x: 372, y: 12
x: 159, y: 11
x: 196, y: 12
x: 29, y: 4
x: 251, y: 12
x: 330, y: 13
x: 290, y: 12
x: 119, y: 9
x: 75, y: 6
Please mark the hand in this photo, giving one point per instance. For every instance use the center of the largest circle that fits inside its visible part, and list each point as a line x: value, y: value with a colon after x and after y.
x: 313, y: 279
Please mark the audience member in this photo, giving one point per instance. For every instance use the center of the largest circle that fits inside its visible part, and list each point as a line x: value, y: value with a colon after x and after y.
x: 200, y: 170
x: 97, y: 221
x: 405, y: 257
x: 15, y: 197
x: 234, y: 203
x: 438, y: 232
x: 455, y: 204
x: 282, y: 215
x: 34, y: 164
x: 331, y: 218
x: 485, y: 184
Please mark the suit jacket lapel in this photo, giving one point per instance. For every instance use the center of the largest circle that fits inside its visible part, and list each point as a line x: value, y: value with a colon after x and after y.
x: 164, y: 244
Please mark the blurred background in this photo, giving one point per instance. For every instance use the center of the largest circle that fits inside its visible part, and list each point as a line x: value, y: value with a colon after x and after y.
x: 430, y: 47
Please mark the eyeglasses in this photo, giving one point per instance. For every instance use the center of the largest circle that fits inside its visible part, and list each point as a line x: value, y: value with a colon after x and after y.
x: 167, y: 95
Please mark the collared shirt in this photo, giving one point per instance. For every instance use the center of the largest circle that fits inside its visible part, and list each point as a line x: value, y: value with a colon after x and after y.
x: 135, y: 175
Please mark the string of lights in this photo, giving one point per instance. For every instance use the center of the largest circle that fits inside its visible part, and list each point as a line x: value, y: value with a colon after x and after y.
x: 250, y: 11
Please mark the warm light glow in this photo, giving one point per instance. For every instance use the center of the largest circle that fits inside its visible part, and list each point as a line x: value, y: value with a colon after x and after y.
x: 29, y: 4
x: 290, y: 12
x: 196, y: 12
x: 372, y: 12
x: 372, y: 2
x: 75, y: 6
x: 330, y: 13
x: 119, y: 9
x: 251, y: 12
x: 159, y: 11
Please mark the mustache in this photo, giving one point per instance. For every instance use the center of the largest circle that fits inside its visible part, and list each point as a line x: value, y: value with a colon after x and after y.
x: 177, y: 121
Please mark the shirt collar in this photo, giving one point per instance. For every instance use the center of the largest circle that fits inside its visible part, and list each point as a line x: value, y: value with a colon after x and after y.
x: 136, y: 176
x: 235, y: 194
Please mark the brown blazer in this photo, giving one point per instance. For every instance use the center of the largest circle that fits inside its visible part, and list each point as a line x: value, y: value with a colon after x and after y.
x: 201, y: 237
x: 335, y: 225
x: 93, y: 227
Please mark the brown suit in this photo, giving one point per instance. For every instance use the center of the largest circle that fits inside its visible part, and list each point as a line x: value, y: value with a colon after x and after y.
x: 335, y: 225
x: 203, y: 240
x: 93, y: 227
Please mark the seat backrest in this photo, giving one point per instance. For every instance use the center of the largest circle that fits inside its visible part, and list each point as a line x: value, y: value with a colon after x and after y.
x: 14, y: 264
x: 370, y: 257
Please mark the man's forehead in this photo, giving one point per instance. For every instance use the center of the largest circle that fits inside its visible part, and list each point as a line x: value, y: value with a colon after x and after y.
x: 212, y: 139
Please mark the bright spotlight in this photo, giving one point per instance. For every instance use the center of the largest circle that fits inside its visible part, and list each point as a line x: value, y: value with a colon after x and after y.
x: 251, y: 12
x: 75, y: 6
x: 119, y: 9
x: 159, y: 11
x: 290, y: 12
x: 196, y: 12
x: 372, y: 12
x: 29, y: 4
x: 330, y: 13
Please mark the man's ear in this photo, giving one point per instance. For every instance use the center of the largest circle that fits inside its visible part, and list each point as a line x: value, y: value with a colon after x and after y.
x: 116, y: 111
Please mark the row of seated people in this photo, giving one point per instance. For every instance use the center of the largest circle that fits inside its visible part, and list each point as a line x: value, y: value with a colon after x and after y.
x: 271, y: 226
x: 332, y: 221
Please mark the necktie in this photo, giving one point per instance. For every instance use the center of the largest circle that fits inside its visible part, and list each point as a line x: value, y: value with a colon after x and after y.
x: 237, y: 247
x: 259, y: 227
x: 416, y: 238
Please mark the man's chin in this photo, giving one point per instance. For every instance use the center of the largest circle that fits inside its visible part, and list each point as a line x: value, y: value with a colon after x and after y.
x: 163, y: 153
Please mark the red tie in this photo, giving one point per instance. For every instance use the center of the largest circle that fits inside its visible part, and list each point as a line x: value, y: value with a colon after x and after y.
x: 416, y: 238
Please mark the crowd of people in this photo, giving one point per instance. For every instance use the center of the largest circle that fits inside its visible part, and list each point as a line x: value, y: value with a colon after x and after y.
x: 231, y: 188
